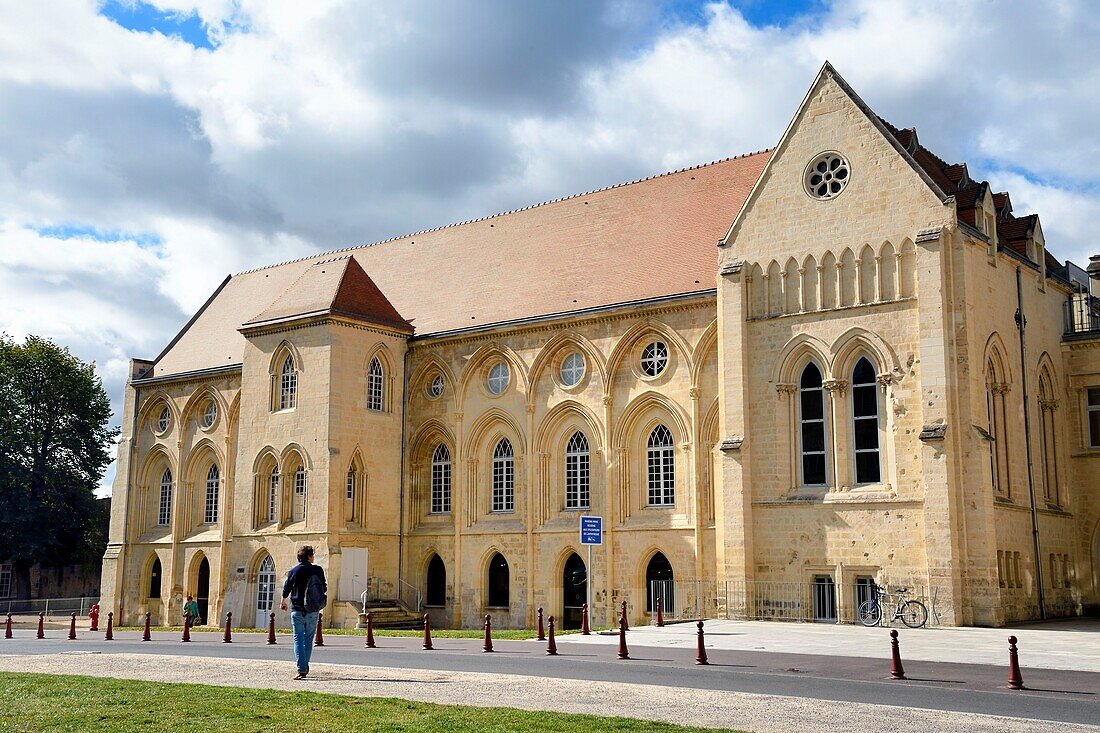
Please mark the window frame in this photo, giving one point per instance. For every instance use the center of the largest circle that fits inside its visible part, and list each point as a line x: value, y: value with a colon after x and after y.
x: 662, y: 457
x: 6, y: 579
x: 802, y: 424
x: 1092, y: 412
x: 500, y: 374
x: 288, y: 385
x: 213, y: 486
x: 503, y: 496
x: 873, y: 386
x: 376, y: 386
x: 575, y: 371
x: 436, y: 387
x: 578, y: 473
x: 164, y: 502
x: 209, y: 414
x: 439, y: 500
x: 164, y: 420
x: 659, y: 359
x: 298, y: 503
x: 274, y: 483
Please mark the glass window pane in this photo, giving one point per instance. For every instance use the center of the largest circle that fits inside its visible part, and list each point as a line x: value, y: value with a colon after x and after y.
x: 812, y: 405
x: 866, y: 434
x: 813, y: 469
x: 1094, y: 396
x: 1094, y: 429
x: 865, y: 401
x: 813, y: 437
x: 867, y: 470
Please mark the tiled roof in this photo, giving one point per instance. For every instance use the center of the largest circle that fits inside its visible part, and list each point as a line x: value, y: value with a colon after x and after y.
x: 647, y: 239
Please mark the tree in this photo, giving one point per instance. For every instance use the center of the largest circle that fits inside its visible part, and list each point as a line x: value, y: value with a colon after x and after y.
x: 55, y: 443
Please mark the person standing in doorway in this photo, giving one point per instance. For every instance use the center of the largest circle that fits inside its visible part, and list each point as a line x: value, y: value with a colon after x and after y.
x: 307, y: 590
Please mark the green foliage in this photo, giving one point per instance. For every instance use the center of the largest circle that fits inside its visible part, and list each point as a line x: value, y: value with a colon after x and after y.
x: 34, y: 702
x: 54, y: 446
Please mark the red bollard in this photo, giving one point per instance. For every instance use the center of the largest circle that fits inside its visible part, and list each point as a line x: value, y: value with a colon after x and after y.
x: 93, y: 616
x: 42, y: 625
x: 1015, y: 678
x: 624, y: 623
x: 271, y: 629
x: 145, y: 636
x: 701, y: 651
x: 186, y: 628
x: 72, y: 627
x: 427, y: 631
x: 660, y: 616
x: 542, y: 632
x: 585, y: 631
x: 488, y: 645
x: 370, y: 632
x: 319, y: 639
x: 110, y: 635
x: 7, y: 627
x: 227, y: 637
x: 551, y: 645
x: 623, y: 654
x: 897, y: 672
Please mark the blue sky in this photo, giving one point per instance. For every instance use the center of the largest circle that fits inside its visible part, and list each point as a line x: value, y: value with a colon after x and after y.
x: 147, y: 149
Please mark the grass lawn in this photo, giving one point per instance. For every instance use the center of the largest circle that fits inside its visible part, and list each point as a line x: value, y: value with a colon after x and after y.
x: 39, y: 702
x: 513, y: 634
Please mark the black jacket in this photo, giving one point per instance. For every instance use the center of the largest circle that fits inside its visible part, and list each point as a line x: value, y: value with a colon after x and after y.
x: 294, y: 587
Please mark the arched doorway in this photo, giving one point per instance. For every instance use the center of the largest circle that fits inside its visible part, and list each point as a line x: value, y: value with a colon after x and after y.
x: 202, y: 591
x: 435, y: 587
x: 154, y: 579
x: 659, y: 582
x: 498, y: 582
x: 265, y: 591
x: 574, y: 591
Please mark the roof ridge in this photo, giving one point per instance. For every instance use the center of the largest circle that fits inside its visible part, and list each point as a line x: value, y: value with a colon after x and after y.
x: 505, y: 213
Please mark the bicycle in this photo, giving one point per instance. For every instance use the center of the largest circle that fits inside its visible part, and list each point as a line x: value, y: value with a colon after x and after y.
x: 912, y: 612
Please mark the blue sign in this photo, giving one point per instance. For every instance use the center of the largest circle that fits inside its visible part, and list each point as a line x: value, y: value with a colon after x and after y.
x: 591, y: 530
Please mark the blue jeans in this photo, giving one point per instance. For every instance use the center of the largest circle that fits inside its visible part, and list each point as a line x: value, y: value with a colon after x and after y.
x: 305, y: 626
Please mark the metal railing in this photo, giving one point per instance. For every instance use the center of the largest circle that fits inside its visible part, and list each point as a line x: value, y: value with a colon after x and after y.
x: 49, y: 606
x: 409, y: 596
x: 1082, y: 315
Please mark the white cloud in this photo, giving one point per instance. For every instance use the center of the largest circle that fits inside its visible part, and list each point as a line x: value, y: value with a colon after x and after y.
x: 326, y: 124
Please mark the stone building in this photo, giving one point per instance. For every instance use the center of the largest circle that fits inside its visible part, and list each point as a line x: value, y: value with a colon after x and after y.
x: 798, y: 369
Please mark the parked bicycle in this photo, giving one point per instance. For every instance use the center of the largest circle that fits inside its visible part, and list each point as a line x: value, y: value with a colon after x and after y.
x: 912, y: 612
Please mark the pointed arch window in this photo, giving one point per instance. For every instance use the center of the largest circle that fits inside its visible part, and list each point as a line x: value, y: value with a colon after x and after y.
x: 213, y: 483
x: 288, y: 384
x: 865, y: 423
x: 375, y: 386
x: 577, y: 472
x: 164, y: 506
x: 811, y: 423
x: 441, y: 480
x: 351, y: 488
x: 273, y: 495
x: 504, y: 477
x: 1049, y: 437
x: 661, y: 467
x: 298, y: 509
x: 995, y: 389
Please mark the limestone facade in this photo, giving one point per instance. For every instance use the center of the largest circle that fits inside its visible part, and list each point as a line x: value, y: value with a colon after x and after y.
x: 417, y: 463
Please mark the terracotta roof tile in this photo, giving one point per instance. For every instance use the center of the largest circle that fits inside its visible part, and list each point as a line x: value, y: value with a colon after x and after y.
x: 648, y: 239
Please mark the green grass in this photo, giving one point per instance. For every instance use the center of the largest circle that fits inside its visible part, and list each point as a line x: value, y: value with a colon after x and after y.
x: 513, y: 634
x: 56, y: 703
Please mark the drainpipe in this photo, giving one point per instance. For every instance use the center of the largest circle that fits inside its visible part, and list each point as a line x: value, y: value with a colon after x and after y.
x: 1021, y: 324
x: 403, y: 468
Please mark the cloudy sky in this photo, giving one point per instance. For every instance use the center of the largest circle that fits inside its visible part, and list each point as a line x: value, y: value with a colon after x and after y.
x: 147, y: 149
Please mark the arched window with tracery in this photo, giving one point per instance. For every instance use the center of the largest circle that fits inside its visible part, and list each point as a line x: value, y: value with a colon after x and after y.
x: 660, y: 468
x: 865, y: 423
x: 375, y: 386
x: 213, y: 483
x: 288, y: 384
x: 577, y: 473
x: 441, y: 480
x: 273, y: 495
x: 298, y: 508
x: 811, y: 426
x: 164, y: 506
x: 504, y: 477
x: 995, y: 389
x: 351, y: 488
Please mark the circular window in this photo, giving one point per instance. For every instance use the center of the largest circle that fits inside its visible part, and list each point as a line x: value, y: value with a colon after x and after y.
x: 654, y: 359
x: 163, y: 419
x: 436, y: 387
x: 498, y: 378
x: 210, y: 414
x: 827, y: 176
x: 572, y: 369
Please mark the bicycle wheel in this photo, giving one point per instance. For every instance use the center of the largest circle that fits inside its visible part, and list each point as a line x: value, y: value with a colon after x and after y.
x: 869, y: 613
x: 914, y: 614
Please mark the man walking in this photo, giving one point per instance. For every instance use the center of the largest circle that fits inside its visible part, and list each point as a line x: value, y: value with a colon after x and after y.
x: 306, y: 587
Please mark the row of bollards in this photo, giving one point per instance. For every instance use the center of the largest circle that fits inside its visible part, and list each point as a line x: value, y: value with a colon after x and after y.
x: 897, y: 670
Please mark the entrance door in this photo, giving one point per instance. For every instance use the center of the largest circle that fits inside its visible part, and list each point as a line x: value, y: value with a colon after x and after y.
x: 265, y: 592
x: 574, y: 587
x: 202, y: 591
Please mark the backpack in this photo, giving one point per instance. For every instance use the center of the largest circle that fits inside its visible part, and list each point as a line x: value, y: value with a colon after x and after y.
x: 315, y: 597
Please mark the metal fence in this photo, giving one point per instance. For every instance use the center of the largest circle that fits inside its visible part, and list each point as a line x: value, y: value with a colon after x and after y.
x: 49, y: 606
x: 820, y: 600
x: 1082, y: 315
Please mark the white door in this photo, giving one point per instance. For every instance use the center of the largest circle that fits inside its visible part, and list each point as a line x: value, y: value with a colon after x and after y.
x: 265, y: 592
x: 353, y: 574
